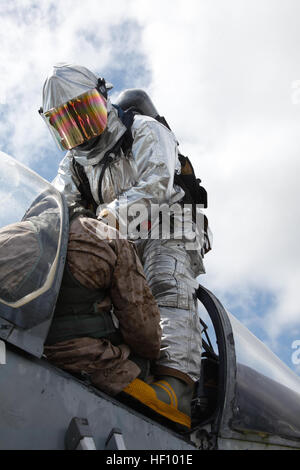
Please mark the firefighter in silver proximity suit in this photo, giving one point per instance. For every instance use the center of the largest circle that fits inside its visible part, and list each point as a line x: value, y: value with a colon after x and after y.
x: 145, y: 175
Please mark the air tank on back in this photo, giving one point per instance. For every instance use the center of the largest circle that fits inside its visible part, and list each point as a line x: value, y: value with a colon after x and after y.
x: 137, y: 100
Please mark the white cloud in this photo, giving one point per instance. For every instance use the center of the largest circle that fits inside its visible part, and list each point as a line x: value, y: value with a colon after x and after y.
x: 34, y: 36
x: 224, y: 75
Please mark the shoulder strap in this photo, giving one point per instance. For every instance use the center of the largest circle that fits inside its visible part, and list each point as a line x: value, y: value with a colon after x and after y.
x: 84, y: 184
x: 127, y: 118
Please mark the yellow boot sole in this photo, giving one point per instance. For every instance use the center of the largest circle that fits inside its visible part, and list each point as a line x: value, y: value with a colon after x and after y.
x: 145, y: 394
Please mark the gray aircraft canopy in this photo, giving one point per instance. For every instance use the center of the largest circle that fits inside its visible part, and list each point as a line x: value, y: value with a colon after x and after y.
x: 33, y: 241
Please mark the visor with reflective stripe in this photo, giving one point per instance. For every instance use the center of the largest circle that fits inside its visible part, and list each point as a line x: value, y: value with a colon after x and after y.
x: 78, y: 120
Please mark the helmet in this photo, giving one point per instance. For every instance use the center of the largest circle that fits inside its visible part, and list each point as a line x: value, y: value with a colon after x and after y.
x: 74, y: 105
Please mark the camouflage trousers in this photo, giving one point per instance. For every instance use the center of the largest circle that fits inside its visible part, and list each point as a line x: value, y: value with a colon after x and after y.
x: 107, y: 366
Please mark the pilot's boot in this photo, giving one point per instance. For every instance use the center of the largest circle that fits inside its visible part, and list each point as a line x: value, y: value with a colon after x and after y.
x: 167, y: 396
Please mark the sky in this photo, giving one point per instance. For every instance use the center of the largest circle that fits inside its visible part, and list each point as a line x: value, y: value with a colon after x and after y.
x: 226, y: 75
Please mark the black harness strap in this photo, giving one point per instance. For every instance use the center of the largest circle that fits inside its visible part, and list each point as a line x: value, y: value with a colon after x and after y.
x: 84, y: 185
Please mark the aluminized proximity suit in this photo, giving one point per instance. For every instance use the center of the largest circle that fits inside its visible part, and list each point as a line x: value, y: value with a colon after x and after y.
x: 144, y: 175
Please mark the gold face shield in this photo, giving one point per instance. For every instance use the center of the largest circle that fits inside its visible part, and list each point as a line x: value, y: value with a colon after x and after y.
x: 78, y: 120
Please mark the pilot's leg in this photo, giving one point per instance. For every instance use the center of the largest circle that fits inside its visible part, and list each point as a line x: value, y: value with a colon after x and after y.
x: 109, y: 367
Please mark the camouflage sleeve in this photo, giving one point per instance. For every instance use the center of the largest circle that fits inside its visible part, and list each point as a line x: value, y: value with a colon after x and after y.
x: 134, y: 304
